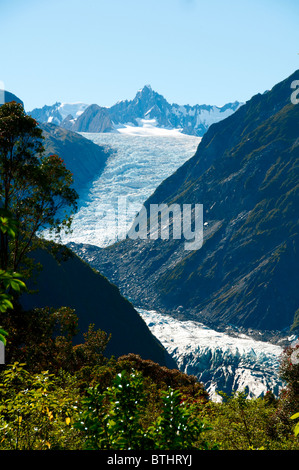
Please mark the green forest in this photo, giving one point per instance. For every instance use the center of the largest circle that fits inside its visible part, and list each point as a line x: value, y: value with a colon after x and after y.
x: 58, y: 395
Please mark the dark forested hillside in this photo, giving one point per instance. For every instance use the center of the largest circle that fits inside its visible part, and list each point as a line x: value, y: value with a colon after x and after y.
x: 81, y: 156
x: 7, y: 97
x: 245, y: 173
x: 72, y: 283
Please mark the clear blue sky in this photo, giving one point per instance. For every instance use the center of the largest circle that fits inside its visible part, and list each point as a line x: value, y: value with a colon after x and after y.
x: 191, y: 51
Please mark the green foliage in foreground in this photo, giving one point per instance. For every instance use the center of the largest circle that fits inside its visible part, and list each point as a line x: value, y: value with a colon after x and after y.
x: 36, y: 410
x: 40, y: 411
x: 55, y: 395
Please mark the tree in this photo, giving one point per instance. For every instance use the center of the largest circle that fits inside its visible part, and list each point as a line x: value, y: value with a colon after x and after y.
x: 289, y: 372
x: 9, y: 281
x: 35, y: 188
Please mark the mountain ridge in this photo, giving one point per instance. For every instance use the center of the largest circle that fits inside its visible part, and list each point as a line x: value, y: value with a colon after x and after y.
x: 147, y: 105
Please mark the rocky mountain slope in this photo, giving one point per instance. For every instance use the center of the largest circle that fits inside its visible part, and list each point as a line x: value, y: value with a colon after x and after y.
x: 147, y: 105
x: 245, y: 173
x: 93, y: 119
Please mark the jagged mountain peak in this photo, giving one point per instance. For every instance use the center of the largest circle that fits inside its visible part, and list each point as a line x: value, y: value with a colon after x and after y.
x: 146, y: 94
x: 145, y: 89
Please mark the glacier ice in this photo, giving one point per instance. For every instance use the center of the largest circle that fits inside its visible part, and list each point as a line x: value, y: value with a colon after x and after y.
x: 220, y: 361
x: 134, y: 170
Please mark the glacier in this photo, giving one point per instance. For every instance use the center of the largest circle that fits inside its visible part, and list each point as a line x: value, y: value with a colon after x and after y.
x: 223, y: 363
x: 138, y: 164
x: 141, y: 159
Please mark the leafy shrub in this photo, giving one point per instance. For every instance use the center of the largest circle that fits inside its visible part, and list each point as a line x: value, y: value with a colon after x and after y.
x: 36, y: 411
x: 240, y: 423
x: 296, y: 430
x: 113, y: 419
x: 178, y: 427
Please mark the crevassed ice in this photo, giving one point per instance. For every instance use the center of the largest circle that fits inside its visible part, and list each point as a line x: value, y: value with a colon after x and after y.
x: 138, y: 165
x: 221, y: 362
